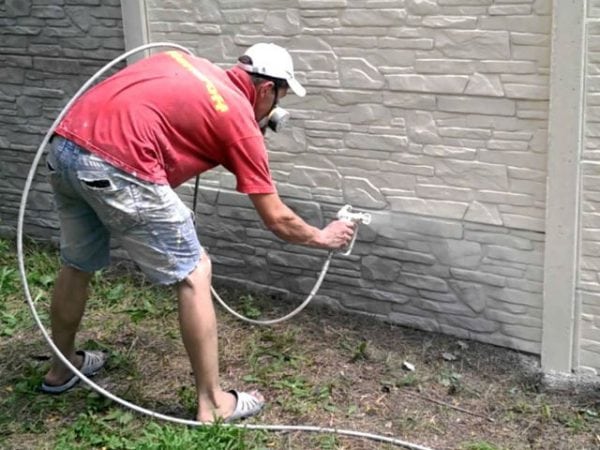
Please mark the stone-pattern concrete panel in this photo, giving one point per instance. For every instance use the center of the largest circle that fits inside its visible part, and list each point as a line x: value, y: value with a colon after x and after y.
x: 432, y: 114
x: 47, y: 51
x: 475, y: 281
x: 456, y: 63
x: 588, y: 282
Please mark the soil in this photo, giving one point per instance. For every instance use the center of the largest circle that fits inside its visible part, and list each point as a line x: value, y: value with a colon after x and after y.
x: 460, y: 395
x: 336, y: 370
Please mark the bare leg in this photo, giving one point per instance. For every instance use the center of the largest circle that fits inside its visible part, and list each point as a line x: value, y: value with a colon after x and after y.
x: 66, y: 310
x: 199, y: 333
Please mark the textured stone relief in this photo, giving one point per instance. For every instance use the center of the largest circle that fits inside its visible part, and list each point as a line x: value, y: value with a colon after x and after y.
x: 432, y: 114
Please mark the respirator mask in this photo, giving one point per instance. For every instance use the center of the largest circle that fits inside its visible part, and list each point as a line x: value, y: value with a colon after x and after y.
x: 276, y: 120
x: 278, y: 117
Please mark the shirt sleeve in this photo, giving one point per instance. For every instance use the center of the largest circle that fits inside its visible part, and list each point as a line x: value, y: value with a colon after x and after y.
x: 247, y: 159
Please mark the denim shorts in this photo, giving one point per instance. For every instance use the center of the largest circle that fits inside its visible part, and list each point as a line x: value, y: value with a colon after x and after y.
x: 97, y: 201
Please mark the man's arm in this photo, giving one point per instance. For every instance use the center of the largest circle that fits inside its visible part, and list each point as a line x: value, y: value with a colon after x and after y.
x: 287, y: 225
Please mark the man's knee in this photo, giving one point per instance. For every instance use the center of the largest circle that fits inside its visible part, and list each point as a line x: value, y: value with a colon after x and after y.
x: 201, y: 274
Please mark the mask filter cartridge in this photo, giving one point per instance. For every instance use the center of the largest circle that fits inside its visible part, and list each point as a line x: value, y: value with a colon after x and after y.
x: 276, y: 120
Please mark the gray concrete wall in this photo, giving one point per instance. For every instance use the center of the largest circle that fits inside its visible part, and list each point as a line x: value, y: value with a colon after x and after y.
x: 47, y: 51
x: 588, y: 283
x: 431, y: 114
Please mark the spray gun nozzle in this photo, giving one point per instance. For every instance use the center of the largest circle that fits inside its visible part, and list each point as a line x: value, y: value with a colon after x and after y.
x: 347, y: 213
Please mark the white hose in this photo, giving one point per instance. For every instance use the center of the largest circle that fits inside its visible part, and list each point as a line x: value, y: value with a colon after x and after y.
x: 287, y: 316
x: 89, y: 382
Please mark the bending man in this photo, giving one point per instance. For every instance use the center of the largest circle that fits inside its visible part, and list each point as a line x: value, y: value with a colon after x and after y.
x: 115, y: 159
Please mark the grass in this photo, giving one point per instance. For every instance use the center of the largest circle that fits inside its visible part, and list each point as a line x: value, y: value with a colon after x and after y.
x: 117, y: 429
x: 49, y: 421
x: 322, y: 368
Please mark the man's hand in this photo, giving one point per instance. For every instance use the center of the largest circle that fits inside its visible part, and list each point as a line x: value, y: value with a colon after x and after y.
x: 337, y: 234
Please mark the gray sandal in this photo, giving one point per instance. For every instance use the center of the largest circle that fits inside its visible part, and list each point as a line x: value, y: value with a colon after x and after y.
x: 246, y: 405
x: 93, y: 361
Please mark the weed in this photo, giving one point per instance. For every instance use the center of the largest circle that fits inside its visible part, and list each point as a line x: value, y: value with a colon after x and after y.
x: 357, y: 350
x: 546, y: 411
x: 93, y: 431
x: 452, y: 381
x: 187, y: 397
x: 575, y: 423
x: 8, y: 279
x: 115, y: 293
x: 12, y: 317
x: 142, y: 311
x: 360, y: 353
x: 297, y: 386
x: 248, y: 307
x: 9, y: 322
x: 521, y: 407
x: 4, y: 246
x: 41, y: 266
x: 352, y: 409
x: 479, y: 445
x: 216, y: 436
x: 326, y: 442
x: 123, y: 362
x: 95, y: 402
x: 410, y: 379
x: 271, y: 354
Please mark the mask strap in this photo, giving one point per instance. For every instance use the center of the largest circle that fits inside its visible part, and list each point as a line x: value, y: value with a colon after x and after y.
x: 276, y: 87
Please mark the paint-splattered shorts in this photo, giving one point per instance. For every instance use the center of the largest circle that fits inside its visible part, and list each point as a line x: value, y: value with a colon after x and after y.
x: 95, y: 201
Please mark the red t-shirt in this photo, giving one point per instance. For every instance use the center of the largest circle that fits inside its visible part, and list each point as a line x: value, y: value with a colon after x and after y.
x: 170, y: 117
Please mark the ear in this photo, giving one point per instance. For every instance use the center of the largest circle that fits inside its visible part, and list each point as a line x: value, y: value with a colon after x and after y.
x: 265, y: 88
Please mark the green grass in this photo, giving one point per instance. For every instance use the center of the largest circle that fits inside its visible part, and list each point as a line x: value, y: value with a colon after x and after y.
x: 275, y: 359
x: 84, y: 419
x: 117, y: 429
x: 24, y: 412
x: 319, y: 369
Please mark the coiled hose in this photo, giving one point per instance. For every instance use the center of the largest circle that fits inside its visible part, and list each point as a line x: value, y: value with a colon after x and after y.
x: 89, y: 382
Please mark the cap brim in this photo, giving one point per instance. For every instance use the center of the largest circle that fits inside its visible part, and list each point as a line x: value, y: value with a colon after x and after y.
x: 296, y: 87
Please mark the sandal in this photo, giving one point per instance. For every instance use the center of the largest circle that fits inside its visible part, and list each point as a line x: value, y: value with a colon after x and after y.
x: 246, y: 405
x: 93, y: 361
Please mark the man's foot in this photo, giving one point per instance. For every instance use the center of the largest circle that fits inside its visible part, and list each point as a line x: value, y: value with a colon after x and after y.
x: 60, y: 380
x: 59, y: 374
x: 234, y: 405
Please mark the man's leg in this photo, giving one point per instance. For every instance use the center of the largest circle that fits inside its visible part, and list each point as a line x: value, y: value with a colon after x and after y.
x: 199, y: 333
x: 68, y: 303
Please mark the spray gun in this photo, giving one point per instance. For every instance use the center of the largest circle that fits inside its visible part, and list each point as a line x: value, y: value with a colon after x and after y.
x: 347, y: 214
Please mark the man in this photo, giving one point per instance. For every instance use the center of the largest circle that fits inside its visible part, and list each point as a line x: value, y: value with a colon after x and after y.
x: 114, y: 161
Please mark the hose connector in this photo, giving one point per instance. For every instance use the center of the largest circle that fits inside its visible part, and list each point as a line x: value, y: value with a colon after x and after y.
x: 348, y: 214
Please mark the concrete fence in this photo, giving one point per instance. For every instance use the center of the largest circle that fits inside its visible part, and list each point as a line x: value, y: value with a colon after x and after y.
x: 468, y: 128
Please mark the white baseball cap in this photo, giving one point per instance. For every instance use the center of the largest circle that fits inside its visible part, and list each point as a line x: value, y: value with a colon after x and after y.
x: 273, y: 61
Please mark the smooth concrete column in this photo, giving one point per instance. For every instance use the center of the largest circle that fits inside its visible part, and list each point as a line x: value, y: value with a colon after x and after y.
x: 560, y: 318
x: 135, y: 25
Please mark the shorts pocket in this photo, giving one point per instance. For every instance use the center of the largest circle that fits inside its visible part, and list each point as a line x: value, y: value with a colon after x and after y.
x: 97, y: 181
x: 114, y: 199
x: 54, y: 177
